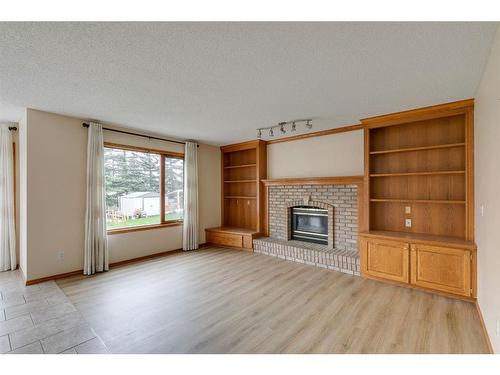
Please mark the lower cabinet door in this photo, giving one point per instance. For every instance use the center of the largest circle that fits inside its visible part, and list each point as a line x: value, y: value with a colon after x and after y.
x: 441, y: 268
x: 385, y: 259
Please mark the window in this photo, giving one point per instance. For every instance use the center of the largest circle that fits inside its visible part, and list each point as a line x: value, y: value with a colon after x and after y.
x: 143, y: 187
x: 174, y: 189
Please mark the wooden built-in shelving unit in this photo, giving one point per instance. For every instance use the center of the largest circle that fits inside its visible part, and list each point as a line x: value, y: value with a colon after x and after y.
x: 420, y: 167
x: 244, y: 165
x: 419, y: 182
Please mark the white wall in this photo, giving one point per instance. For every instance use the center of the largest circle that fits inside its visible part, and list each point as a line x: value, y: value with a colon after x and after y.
x: 338, y: 154
x: 55, y: 166
x: 487, y: 157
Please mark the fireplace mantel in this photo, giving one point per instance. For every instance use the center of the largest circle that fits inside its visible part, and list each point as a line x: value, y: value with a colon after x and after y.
x: 335, y: 180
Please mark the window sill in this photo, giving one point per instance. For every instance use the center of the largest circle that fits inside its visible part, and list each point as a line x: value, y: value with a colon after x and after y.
x: 143, y: 227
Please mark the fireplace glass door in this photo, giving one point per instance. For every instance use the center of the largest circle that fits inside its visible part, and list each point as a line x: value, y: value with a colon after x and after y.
x: 309, y: 224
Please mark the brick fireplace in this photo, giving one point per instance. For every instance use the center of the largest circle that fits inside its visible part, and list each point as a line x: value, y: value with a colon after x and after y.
x: 341, y: 202
x: 336, y: 198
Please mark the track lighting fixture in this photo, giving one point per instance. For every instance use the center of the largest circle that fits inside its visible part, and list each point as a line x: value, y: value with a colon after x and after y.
x: 282, y: 126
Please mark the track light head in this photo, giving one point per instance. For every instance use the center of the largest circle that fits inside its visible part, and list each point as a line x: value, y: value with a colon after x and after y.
x: 282, y: 129
x: 259, y: 133
x: 308, y: 124
x: 294, y: 127
x: 271, y: 132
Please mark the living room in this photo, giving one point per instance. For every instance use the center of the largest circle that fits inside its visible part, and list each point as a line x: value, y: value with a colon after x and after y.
x: 249, y: 187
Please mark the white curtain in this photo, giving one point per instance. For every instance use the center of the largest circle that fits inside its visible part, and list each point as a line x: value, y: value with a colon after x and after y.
x: 96, y: 241
x: 190, y: 227
x: 8, y: 259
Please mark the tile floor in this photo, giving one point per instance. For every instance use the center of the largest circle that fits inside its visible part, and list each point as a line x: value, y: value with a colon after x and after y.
x: 40, y: 319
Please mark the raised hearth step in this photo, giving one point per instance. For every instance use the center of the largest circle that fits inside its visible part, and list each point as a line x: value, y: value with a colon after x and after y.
x: 346, y: 261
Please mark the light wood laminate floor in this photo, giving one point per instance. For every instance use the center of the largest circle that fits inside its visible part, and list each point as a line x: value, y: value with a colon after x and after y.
x: 228, y: 301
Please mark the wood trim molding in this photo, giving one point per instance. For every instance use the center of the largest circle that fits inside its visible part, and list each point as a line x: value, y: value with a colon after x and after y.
x: 242, y: 145
x: 111, y: 265
x: 337, y: 180
x: 144, y: 149
x: 420, y: 114
x: 483, y: 327
x: 319, y: 133
x: 143, y: 227
x: 469, y: 174
x: 54, y: 277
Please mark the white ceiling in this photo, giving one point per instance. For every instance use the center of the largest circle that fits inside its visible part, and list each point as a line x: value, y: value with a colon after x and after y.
x: 218, y: 82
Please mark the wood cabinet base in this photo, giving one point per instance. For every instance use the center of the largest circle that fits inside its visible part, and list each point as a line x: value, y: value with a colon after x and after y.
x: 433, y: 264
x: 231, y: 237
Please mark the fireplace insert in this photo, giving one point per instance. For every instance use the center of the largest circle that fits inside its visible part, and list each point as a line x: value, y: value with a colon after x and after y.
x: 309, y: 224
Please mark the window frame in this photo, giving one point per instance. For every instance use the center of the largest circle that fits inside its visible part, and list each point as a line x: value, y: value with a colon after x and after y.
x: 163, y: 154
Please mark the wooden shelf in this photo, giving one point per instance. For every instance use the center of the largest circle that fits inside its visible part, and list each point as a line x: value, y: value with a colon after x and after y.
x: 243, y: 166
x: 416, y: 173
x: 239, y: 197
x: 418, y: 201
x: 240, y: 166
x: 235, y: 181
x: 409, y: 149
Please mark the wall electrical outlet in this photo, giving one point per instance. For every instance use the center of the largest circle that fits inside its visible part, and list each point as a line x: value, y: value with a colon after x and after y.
x: 60, y: 255
x: 408, y: 223
x: 407, y: 210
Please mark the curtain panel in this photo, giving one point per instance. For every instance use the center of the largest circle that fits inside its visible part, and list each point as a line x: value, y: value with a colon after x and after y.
x: 190, y: 227
x: 8, y: 259
x: 96, y: 258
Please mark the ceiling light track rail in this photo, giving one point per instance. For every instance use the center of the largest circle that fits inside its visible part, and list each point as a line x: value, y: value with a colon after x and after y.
x: 282, y: 127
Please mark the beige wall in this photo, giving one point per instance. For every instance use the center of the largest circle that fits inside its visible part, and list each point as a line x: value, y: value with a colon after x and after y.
x: 55, y: 197
x: 338, y: 154
x: 21, y: 195
x: 487, y: 142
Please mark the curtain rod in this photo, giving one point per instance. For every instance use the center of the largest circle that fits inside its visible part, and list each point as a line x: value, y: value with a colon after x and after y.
x: 85, y: 125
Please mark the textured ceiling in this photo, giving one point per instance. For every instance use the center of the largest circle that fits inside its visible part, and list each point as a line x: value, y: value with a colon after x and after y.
x: 218, y: 82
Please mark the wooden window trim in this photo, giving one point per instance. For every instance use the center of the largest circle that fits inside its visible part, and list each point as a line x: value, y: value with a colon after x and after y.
x: 163, y: 154
x: 171, y: 154
x: 141, y: 228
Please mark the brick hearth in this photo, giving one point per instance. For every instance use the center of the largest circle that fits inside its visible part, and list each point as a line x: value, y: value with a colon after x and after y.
x: 346, y: 261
